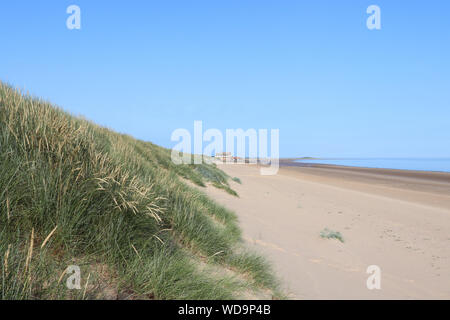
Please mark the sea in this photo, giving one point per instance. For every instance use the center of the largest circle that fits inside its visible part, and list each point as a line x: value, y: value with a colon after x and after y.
x: 421, y: 164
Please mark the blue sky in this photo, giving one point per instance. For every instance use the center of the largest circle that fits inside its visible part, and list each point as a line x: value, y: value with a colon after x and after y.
x: 309, y: 68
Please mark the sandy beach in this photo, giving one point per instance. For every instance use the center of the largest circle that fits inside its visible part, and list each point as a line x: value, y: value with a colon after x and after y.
x: 397, y: 220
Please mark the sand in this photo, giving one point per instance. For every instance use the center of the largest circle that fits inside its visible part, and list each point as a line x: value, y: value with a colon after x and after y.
x: 397, y: 220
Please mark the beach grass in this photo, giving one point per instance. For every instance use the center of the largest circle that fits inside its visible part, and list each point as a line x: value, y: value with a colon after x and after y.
x: 75, y: 193
x: 237, y: 180
x: 330, y: 234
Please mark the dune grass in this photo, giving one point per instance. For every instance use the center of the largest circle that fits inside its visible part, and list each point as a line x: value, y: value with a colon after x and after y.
x: 74, y: 193
x: 330, y: 234
x: 237, y: 180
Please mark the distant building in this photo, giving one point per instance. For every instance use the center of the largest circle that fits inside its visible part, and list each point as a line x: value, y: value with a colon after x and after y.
x: 224, y: 156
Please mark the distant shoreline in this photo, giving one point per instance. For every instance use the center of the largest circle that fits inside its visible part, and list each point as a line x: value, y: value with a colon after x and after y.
x: 293, y: 162
x: 424, y: 181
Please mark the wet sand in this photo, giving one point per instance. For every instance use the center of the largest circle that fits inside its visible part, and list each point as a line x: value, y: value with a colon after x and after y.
x: 398, y: 220
x: 430, y: 186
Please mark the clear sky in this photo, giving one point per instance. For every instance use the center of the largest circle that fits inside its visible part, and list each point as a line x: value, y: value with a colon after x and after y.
x: 309, y: 68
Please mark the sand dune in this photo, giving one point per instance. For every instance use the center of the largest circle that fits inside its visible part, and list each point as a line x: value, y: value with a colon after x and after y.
x: 399, y: 222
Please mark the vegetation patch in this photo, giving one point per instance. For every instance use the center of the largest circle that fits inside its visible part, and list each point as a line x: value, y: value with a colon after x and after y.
x: 75, y: 193
x: 237, y: 180
x: 330, y: 234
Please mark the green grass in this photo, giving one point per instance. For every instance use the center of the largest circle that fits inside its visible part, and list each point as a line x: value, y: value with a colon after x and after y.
x: 330, y: 234
x: 237, y: 180
x: 75, y: 193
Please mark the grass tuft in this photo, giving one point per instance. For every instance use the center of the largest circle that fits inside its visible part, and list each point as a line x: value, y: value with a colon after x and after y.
x: 330, y: 234
x: 237, y: 180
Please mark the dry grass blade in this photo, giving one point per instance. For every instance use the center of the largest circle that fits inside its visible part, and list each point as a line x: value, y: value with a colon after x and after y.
x: 62, y: 275
x: 158, y: 238
x: 7, y: 208
x: 216, y: 254
x: 48, y: 237
x: 6, y: 259
x: 136, y: 252
x: 86, y: 285
x: 30, y: 251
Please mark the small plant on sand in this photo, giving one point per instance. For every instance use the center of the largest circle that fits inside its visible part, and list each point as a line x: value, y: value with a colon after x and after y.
x: 237, y: 180
x: 330, y: 234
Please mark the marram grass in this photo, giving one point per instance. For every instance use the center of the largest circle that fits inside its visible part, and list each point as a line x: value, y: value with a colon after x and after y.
x: 330, y: 234
x: 74, y: 193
